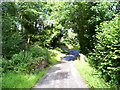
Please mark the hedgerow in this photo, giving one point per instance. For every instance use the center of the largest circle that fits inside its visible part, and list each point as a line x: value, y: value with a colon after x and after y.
x: 106, y: 53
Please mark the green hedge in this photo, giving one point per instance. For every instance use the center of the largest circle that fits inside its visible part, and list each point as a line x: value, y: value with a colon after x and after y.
x: 106, y: 53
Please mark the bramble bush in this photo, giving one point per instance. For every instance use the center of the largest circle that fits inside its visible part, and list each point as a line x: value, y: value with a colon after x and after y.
x: 106, y: 55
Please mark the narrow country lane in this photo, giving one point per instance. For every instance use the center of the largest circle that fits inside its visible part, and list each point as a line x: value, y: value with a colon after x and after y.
x: 62, y: 75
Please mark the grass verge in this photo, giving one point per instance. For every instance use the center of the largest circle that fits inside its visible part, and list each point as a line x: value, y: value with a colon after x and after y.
x: 21, y: 80
x: 91, y: 76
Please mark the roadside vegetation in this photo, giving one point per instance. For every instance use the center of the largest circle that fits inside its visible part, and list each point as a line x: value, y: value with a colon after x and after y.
x: 91, y: 75
x: 34, y: 33
x: 28, y: 70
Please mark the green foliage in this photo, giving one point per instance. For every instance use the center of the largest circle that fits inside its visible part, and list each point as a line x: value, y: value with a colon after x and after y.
x: 101, y: 12
x: 10, y: 8
x: 82, y: 17
x: 52, y: 38
x: 70, y: 39
x: 53, y: 56
x: 106, y: 54
x: 30, y: 61
x: 38, y: 51
x: 26, y: 15
x: 64, y: 51
x: 11, y: 45
x: 31, y: 14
